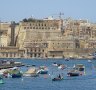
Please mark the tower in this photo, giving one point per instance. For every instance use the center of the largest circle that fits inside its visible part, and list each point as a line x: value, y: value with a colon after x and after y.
x: 12, y: 43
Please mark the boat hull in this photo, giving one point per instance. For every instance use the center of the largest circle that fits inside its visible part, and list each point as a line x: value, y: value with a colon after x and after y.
x: 16, y: 75
x: 57, y: 79
x: 31, y: 75
x: 73, y: 74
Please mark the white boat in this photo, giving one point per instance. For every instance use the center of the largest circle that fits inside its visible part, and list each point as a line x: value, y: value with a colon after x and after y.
x: 32, y: 72
x: 89, y: 61
x: 55, y: 64
x: 80, y: 68
x: 62, y: 66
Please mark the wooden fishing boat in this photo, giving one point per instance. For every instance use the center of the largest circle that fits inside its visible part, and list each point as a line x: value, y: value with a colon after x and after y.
x: 31, y: 72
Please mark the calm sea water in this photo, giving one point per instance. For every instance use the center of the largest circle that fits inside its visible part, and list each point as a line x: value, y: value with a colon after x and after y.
x: 44, y: 82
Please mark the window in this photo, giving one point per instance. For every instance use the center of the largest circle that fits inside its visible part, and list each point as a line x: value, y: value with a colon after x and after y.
x: 45, y: 25
x: 43, y: 50
x: 48, y: 27
x: 35, y: 50
x: 27, y: 27
x: 39, y: 50
x: 31, y: 49
x: 6, y: 54
x: 24, y: 27
x: 14, y: 54
x: 27, y: 50
x: 30, y: 27
x: 30, y: 24
x: 31, y: 55
x: 36, y: 27
x: 10, y: 54
x: 39, y: 55
x: 35, y: 55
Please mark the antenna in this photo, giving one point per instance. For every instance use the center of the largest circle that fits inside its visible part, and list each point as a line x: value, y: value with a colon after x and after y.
x: 59, y: 15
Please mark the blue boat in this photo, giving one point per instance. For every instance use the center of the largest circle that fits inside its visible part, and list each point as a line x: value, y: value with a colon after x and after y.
x: 43, y: 72
x: 16, y: 75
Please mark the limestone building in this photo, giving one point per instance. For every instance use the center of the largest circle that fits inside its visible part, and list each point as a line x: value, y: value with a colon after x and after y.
x: 47, y: 38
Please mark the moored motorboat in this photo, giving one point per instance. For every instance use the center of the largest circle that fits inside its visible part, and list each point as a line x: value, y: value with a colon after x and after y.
x: 73, y: 72
x: 31, y: 72
x: 80, y: 68
x: 67, y: 59
x: 15, y: 73
x: 5, y: 64
x: 62, y: 66
x: 55, y: 64
x: 42, y: 70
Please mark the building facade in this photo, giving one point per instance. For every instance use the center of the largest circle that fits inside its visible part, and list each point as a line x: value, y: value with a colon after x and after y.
x: 48, y: 38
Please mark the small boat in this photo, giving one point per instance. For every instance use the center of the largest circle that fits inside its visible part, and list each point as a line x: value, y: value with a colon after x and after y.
x: 5, y: 64
x: 61, y: 66
x: 32, y: 72
x: 15, y: 73
x: 55, y: 64
x: 79, y: 67
x: 42, y: 70
x: 66, y: 59
x: 89, y: 61
x: 57, y: 79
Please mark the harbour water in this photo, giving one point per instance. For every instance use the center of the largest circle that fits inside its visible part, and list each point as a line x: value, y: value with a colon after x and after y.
x: 44, y: 82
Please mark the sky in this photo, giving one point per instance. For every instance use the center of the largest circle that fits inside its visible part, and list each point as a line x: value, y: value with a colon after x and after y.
x: 16, y: 10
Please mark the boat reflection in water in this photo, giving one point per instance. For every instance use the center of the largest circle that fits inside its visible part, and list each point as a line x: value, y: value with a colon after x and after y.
x: 1, y: 80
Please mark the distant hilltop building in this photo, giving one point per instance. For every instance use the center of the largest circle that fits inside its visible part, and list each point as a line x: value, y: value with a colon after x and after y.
x: 47, y: 38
